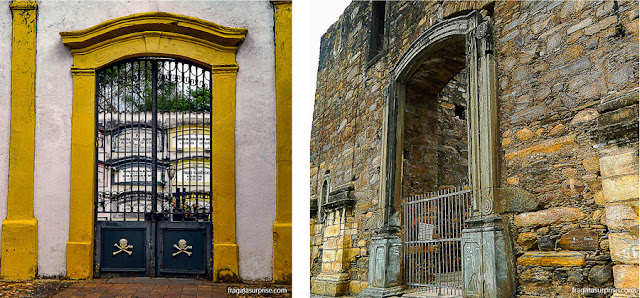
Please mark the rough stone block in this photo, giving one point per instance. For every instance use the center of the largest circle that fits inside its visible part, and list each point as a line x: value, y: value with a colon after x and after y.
x: 352, y: 253
x: 330, y: 243
x: 536, y: 275
x: 328, y: 255
x: 558, y: 130
x: 527, y: 240
x: 575, y: 276
x: 591, y: 164
x: 584, y: 116
x: 620, y: 164
x: 621, y: 188
x: 621, y: 217
x: 330, y: 285
x: 625, y: 276
x: 586, y: 22
x: 599, y: 198
x: 606, y: 22
x: 572, y: 187
x: 548, y: 146
x: 552, y: 258
x: 624, y: 248
x: 517, y: 200
x: 524, y: 134
x: 332, y: 230
x: 548, y: 217
x: 580, y: 239
x: 336, y: 266
x: 356, y: 286
x: 545, y: 243
x: 600, y: 274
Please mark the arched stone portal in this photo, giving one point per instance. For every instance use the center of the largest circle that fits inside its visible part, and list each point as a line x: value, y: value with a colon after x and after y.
x: 484, y: 249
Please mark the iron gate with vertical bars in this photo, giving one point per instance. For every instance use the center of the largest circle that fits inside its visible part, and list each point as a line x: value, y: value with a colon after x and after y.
x: 153, y: 190
x: 432, y: 240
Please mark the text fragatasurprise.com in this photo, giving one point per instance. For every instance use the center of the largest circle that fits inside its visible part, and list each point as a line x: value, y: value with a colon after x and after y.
x: 605, y: 290
x: 242, y: 291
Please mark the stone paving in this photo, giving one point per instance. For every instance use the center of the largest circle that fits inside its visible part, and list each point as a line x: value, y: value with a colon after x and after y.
x: 164, y: 287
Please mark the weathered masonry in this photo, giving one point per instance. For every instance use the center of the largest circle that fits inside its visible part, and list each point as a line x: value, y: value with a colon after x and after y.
x: 149, y: 138
x: 477, y: 149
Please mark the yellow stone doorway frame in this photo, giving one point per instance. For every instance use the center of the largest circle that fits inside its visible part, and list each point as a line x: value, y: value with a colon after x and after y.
x: 153, y: 34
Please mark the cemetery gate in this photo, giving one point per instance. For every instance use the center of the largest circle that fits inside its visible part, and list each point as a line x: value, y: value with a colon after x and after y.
x: 153, y: 189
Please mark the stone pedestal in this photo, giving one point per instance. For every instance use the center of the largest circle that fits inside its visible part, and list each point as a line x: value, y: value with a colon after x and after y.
x: 488, y: 268
x: 384, y: 267
x: 334, y: 279
x: 330, y: 284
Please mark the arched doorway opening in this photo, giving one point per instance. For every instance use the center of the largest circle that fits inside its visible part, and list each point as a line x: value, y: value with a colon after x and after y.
x: 153, y: 171
x: 487, y: 265
x: 435, y: 192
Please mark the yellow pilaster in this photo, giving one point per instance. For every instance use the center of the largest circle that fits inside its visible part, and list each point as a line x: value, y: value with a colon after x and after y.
x: 20, y: 228
x: 282, y: 224
x: 223, y: 108
x: 80, y: 244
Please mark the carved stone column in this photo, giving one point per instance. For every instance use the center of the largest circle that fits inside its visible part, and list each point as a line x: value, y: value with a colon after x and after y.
x: 488, y: 267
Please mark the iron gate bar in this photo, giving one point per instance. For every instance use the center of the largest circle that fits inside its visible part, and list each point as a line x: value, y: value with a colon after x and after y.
x: 433, y: 225
x: 154, y: 137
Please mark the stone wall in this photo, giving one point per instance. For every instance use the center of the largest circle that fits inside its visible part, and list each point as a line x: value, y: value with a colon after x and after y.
x: 435, y: 134
x: 557, y: 64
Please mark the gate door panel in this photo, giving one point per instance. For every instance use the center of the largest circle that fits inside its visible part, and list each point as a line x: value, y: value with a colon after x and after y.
x: 153, y: 145
x: 124, y: 248
x: 182, y: 250
x: 433, y: 224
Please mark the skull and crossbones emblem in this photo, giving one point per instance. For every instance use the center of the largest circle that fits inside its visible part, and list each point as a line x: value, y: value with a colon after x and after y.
x: 123, y: 246
x: 182, y: 247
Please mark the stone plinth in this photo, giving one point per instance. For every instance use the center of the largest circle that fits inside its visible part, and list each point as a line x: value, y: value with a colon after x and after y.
x: 384, y: 267
x: 487, y: 267
x: 330, y: 284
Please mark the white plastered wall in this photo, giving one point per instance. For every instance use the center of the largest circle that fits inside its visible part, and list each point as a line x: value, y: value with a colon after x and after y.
x: 255, y: 121
x: 5, y: 103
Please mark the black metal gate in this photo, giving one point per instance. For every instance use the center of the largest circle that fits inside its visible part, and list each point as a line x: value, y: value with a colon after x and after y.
x: 153, y: 202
